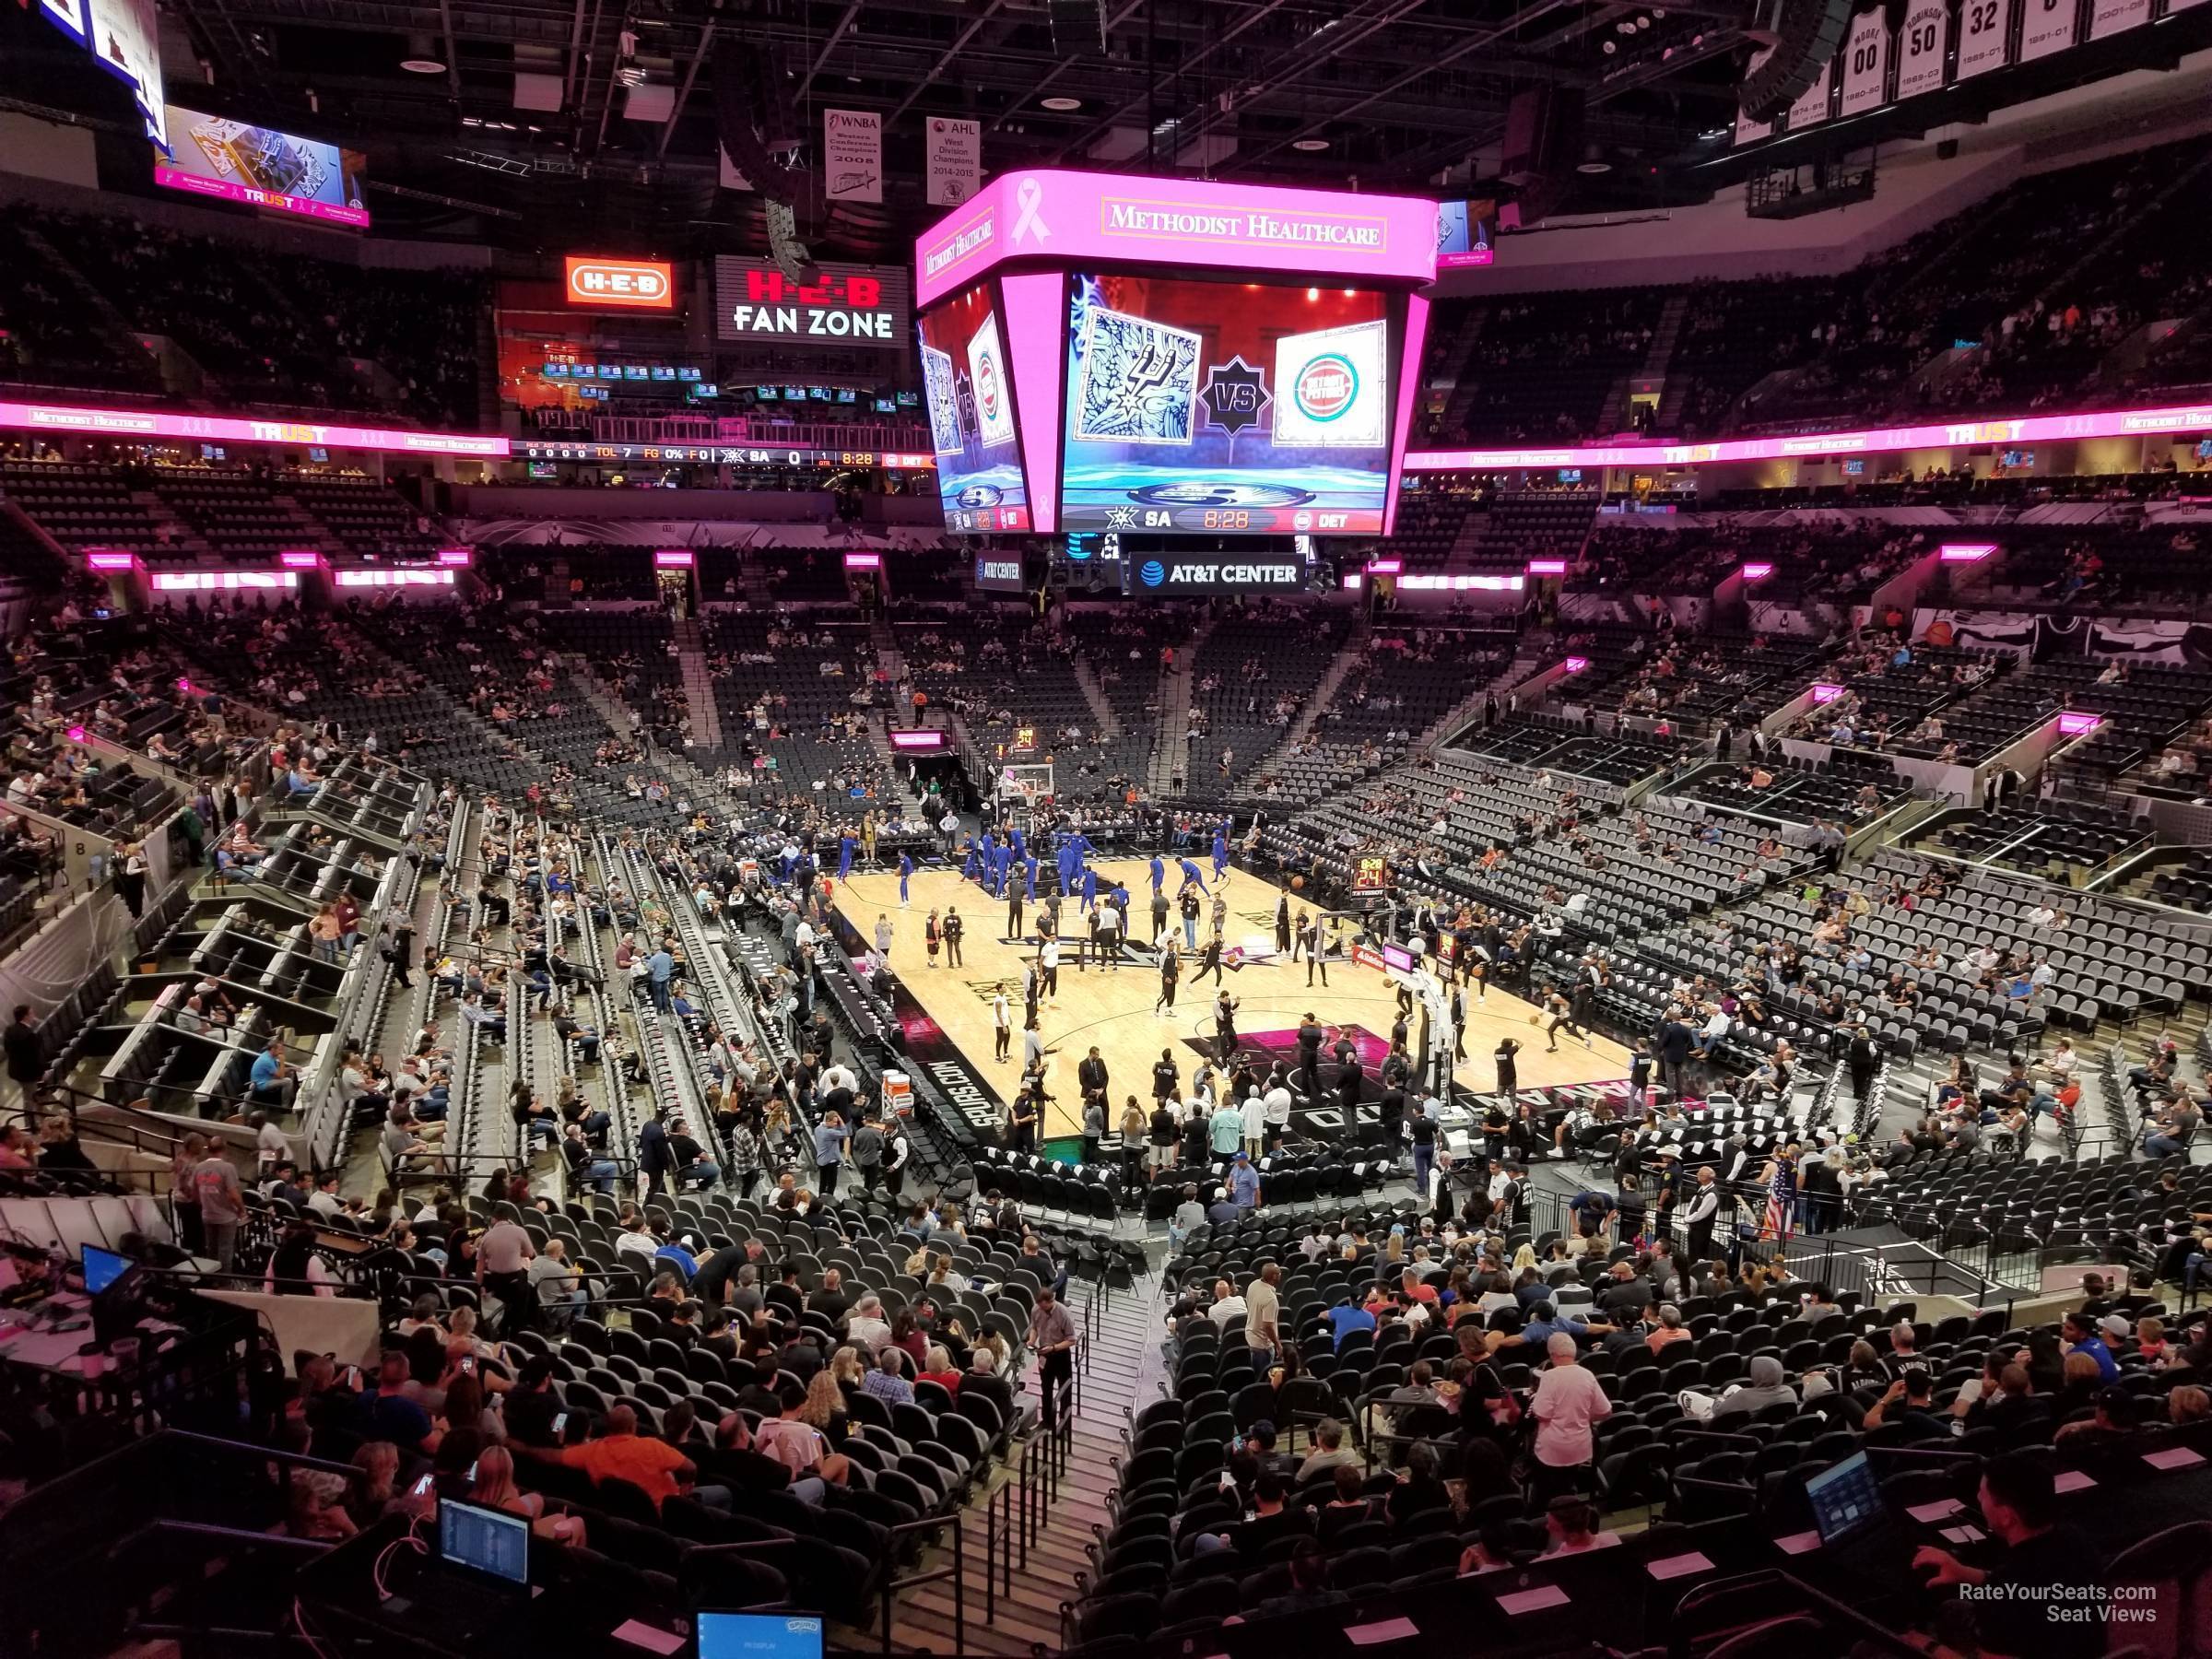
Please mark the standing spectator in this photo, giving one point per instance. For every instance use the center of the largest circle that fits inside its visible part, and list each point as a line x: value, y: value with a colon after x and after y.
x: 1052, y: 1338
x: 25, y: 1057
x: 222, y: 1206
x: 1568, y: 1404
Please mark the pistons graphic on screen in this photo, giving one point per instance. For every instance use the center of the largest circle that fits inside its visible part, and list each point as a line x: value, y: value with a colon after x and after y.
x: 1327, y: 388
x: 987, y: 375
x: 1331, y: 388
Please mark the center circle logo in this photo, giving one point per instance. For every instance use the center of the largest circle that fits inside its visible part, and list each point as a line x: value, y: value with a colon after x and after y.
x: 1153, y: 573
x: 981, y: 494
x: 1327, y: 387
x: 986, y: 386
x: 1200, y: 492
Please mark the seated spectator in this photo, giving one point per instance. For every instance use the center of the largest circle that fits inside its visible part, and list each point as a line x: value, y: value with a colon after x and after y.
x: 1571, y: 1523
x: 1309, y: 1589
x: 653, y: 1466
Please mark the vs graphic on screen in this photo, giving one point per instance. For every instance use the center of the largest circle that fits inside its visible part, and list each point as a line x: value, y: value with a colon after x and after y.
x: 1225, y: 406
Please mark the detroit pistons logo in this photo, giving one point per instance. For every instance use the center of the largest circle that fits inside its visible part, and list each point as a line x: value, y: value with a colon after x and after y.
x: 986, y: 386
x: 1327, y: 387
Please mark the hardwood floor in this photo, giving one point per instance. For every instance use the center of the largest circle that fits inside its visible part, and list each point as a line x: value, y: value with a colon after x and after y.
x: 1114, y: 1008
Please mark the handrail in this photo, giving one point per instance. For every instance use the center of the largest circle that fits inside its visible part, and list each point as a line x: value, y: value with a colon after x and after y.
x: 957, y: 1571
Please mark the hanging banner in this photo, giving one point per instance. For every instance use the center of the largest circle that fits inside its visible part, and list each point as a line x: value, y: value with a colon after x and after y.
x: 1920, y: 47
x: 852, y: 155
x: 731, y: 178
x: 956, y: 160
x: 1748, y: 131
x: 2111, y: 17
x: 1983, y: 26
x: 1811, y: 107
x: 2049, y: 28
x: 1866, y: 62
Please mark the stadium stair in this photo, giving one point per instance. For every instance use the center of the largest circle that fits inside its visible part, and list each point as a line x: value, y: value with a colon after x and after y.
x: 1346, y: 659
x: 1123, y: 1372
x: 699, y: 684
x: 1095, y: 695
x: 1171, y: 754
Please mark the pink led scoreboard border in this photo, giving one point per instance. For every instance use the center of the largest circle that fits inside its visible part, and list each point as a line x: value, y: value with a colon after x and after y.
x: 2033, y: 428
x: 226, y: 429
x: 1073, y: 218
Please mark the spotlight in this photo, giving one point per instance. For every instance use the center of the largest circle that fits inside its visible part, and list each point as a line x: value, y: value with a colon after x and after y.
x: 1062, y: 105
x: 1310, y: 145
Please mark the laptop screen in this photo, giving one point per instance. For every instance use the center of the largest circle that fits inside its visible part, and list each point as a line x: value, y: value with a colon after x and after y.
x: 759, y: 1636
x: 1845, y: 1499
x: 102, y: 1268
x: 485, y: 1541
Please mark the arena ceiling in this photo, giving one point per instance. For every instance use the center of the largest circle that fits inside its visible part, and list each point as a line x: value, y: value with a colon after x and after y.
x: 1392, y: 93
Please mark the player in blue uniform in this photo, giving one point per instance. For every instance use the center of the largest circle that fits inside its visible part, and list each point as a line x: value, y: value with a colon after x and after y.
x: 1159, y: 873
x: 1220, y: 850
x: 906, y: 868
x: 1193, y: 875
x: 845, y: 845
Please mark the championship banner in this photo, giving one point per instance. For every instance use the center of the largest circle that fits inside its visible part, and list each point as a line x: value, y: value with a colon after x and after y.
x: 1369, y: 875
x: 954, y: 153
x: 852, y: 155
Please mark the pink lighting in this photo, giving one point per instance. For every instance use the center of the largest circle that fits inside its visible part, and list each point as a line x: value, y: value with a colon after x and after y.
x: 2032, y: 428
x: 1757, y: 573
x: 1575, y: 664
x: 203, y: 581
x: 1825, y: 693
x: 1385, y: 567
x: 176, y: 178
x: 461, y: 557
x: 672, y: 559
x: 2077, y: 726
x: 863, y: 562
x: 184, y: 685
x: 1461, y: 584
x: 1965, y: 552
x: 1075, y: 217
x: 223, y: 429
x: 1547, y: 567
x: 297, y: 559
x: 99, y: 560
x: 76, y: 734
x: 917, y: 740
x: 390, y: 579
x: 1351, y: 581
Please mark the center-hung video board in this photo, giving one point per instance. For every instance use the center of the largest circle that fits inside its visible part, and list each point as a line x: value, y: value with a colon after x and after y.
x: 1110, y: 354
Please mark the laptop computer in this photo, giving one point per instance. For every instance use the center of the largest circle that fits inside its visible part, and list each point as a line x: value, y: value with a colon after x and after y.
x: 479, y: 1577
x: 759, y: 1636
x: 1846, y: 1501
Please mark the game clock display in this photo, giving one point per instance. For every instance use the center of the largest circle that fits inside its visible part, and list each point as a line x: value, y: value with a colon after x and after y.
x: 969, y: 389
x: 1244, y: 408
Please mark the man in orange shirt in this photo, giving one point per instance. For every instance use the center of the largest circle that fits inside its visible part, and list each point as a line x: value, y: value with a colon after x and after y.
x: 653, y: 1466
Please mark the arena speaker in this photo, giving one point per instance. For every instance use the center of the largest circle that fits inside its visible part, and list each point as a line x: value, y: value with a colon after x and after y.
x: 1543, y: 141
x: 745, y: 117
x: 1543, y: 134
x: 1807, y: 35
x: 1074, y: 23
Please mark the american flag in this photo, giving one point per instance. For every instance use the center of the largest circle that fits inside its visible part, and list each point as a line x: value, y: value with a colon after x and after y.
x: 1781, y: 1202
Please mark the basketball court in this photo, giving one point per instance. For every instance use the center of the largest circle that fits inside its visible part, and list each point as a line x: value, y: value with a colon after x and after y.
x: 1113, y: 1009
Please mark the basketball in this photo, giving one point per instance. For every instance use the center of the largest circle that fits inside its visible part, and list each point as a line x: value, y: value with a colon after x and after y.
x: 1533, y: 1018
x: 1297, y: 884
